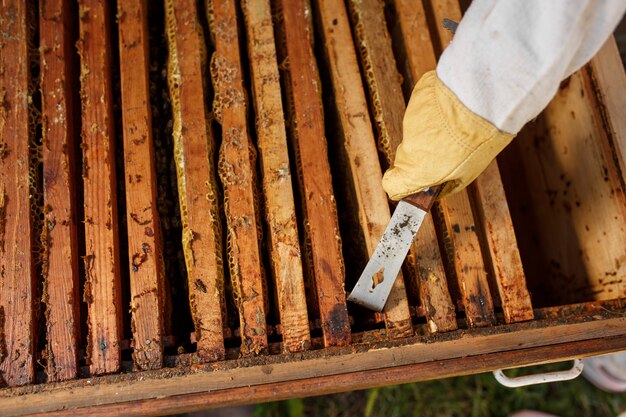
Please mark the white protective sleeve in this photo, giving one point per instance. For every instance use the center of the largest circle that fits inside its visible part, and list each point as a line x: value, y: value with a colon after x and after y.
x: 508, y: 57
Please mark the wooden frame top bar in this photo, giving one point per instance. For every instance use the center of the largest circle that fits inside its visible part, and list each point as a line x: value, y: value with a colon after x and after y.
x: 60, y: 193
x: 144, y: 237
x: 194, y: 149
x: 17, y: 266
x: 318, y: 196
x: 236, y: 168
x: 103, y: 292
x: 280, y: 210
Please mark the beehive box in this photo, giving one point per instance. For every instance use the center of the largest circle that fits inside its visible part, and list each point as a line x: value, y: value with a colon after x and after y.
x: 189, y: 188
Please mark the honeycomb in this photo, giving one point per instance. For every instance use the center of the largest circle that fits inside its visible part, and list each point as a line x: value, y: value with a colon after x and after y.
x: 384, y: 140
x: 174, y: 80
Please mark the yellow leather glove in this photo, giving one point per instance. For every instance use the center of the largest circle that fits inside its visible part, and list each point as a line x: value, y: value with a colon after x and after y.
x: 443, y: 141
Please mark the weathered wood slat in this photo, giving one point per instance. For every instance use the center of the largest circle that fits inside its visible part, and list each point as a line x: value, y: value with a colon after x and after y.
x: 360, y: 147
x: 598, y: 327
x: 318, y: 200
x: 384, y: 85
x: 609, y: 79
x: 59, y: 191
x: 102, y: 270
x: 437, y: 10
x: 417, y: 55
x: 280, y: 211
x: 571, y: 204
x: 434, y: 294
x: 197, y: 188
x: 499, y: 244
x: 325, y: 385
x: 310, y: 285
x: 465, y: 261
x: 237, y: 172
x: 17, y: 285
x: 144, y: 237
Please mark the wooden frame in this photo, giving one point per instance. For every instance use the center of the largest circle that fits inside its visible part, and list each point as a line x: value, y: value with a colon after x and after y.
x: 609, y: 77
x: 145, y: 257
x: 286, y: 263
x: 103, y: 291
x: 237, y: 170
x: 601, y: 329
x: 194, y: 148
x: 61, y: 274
x: 354, y: 381
x: 335, y: 356
x: 17, y: 263
x: 570, y: 210
x: 321, y: 227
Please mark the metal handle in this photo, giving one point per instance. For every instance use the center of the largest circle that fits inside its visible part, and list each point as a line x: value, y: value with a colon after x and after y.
x: 523, y: 381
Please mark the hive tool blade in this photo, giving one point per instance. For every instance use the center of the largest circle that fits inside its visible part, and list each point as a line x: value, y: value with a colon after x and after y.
x: 373, y: 287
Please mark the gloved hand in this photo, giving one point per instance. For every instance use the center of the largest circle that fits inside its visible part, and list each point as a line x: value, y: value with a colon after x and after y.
x: 443, y: 141
x: 506, y: 63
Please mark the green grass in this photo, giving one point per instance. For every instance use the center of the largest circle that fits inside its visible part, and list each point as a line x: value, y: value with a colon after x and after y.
x: 475, y: 396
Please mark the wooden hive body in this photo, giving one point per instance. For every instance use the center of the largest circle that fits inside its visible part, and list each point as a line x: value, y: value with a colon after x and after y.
x: 207, y: 188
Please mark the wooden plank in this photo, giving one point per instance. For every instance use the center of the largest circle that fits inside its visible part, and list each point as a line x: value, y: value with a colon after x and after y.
x: 437, y: 10
x: 517, y: 339
x: 17, y: 269
x: 384, y: 86
x: 433, y: 287
x: 360, y: 148
x: 499, y: 244
x: 102, y: 270
x: 144, y: 237
x: 464, y: 259
x: 197, y: 188
x: 568, y: 184
x: 418, y: 54
x: 325, y: 385
x: 237, y: 172
x: 280, y: 211
x: 310, y: 285
x: 59, y: 187
x: 319, y: 206
x: 609, y: 78
x: 564, y: 312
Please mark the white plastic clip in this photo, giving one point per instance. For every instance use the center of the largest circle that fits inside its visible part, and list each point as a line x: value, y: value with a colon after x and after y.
x: 523, y: 381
